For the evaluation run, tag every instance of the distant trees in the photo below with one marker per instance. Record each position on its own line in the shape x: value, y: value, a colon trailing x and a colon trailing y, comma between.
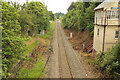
x: 80, y: 16
x: 59, y: 14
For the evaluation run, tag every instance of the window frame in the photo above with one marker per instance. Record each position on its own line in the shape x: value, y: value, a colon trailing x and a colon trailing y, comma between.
x: 116, y: 31
x: 98, y: 32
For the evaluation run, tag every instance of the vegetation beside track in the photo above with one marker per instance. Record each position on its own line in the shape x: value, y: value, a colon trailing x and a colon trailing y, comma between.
x: 37, y: 69
x: 50, y: 30
x: 34, y: 72
x: 80, y: 16
x: 18, y: 23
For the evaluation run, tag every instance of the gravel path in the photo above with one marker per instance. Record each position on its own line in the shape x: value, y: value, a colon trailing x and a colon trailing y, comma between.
x: 63, y: 63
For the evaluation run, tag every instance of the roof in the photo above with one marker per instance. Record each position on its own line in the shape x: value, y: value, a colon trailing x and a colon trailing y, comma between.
x: 104, y: 4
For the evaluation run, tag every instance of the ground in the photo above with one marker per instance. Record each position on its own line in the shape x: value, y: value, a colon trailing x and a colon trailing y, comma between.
x: 79, y: 38
x: 37, y: 54
x: 76, y: 42
x: 68, y: 63
x: 63, y: 59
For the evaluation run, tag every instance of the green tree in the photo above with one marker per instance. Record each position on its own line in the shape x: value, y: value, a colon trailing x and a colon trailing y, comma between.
x: 51, y: 16
x: 59, y: 14
x: 90, y: 18
x: 80, y: 16
x: 34, y: 17
x: 12, y: 43
x: 40, y: 13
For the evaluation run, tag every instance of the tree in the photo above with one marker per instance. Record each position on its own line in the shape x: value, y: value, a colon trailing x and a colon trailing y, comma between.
x: 12, y: 43
x: 34, y: 17
x: 80, y: 16
x: 59, y: 14
x: 51, y: 15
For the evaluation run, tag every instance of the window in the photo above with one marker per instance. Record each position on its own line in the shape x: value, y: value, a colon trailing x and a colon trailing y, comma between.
x: 98, y: 32
x: 115, y: 7
x: 116, y: 34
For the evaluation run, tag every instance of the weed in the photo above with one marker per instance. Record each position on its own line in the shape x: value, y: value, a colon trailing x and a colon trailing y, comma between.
x: 30, y: 47
x: 34, y: 72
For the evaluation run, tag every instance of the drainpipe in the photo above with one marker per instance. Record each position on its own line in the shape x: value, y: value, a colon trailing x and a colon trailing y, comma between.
x: 105, y: 16
x: 119, y: 22
x: 104, y: 30
x: 104, y: 37
x: 119, y: 34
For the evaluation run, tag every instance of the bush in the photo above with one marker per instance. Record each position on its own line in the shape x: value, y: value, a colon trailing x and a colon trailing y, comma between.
x: 109, y: 62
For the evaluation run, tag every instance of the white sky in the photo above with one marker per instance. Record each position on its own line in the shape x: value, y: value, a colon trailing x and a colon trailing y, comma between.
x: 59, y: 5
x: 52, y: 5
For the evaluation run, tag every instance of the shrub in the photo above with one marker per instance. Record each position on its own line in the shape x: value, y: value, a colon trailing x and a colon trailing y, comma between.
x: 109, y: 62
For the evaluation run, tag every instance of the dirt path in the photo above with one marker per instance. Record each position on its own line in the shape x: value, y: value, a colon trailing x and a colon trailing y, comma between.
x: 63, y: 63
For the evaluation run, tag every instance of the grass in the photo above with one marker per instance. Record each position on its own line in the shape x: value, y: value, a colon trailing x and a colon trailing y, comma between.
x: 62, y: 25
x: 30, y: 47
x: 27, y: 38
x: 34, y: 72
x: 50, y: 30
x: 38, y: 69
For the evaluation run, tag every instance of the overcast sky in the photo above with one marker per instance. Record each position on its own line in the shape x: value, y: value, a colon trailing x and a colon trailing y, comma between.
x: 56, y: 5
x: 52, y: 5
x: 59, y: 5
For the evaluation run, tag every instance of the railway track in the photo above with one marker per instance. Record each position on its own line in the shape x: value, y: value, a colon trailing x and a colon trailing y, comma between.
x: 64, y: 65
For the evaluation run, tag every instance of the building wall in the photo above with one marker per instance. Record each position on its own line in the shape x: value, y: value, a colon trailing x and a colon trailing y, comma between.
x: 113, y: 22
x: 98, y: 40
x: 100, y: 14
x: 112, y: 4
x: 112, y: 26
x: 110, y: 39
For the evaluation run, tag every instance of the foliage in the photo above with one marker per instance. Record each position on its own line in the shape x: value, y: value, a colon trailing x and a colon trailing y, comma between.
x: 80, y: 16
x: 59, y: 14
x: 50, y: 30
x: 25, y: 22
x: 51, y: 16
x: 109, y: 62
x: 34, y: 72
x: 34, y: 18
x: 12, y: 42
x: 29, y: 48
x: 17, y: 23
